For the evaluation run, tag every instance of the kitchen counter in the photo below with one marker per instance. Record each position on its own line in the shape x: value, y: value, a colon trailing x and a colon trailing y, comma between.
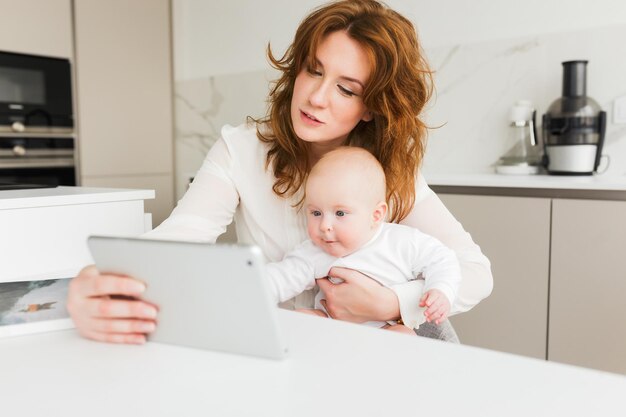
x: 334, y: 368
x: 552, y: 186
x: 63, y: 195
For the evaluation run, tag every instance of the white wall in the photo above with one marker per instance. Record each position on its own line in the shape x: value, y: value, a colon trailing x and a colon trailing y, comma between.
x: 225, y: 36
x: 486, y: 54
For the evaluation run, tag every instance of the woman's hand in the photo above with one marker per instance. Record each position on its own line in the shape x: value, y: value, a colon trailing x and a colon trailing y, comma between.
x: 359, y: 298
x: 106, y: 307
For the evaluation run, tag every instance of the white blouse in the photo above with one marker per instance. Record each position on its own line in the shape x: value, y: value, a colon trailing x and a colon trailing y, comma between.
x: 234, y: 183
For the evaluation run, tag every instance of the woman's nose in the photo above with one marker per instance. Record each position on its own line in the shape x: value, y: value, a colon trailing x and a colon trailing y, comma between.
x: 319, y: 95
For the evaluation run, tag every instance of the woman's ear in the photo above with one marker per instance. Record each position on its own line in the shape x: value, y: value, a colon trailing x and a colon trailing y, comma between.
x: 380, y: 212
x: 367, y: 116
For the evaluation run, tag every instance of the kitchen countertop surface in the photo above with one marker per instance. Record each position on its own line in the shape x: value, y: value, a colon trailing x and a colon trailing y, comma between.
x: 63, y: 195
x: 592, y: 186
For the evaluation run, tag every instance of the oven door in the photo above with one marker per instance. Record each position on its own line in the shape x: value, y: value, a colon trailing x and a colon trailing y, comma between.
x: 35, y: 94
x: 37, y: 161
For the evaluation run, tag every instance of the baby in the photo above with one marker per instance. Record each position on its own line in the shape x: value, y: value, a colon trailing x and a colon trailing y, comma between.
x: 345, y: 210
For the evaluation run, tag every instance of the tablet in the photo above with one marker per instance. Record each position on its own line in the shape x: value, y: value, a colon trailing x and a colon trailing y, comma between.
x: 210, y: 296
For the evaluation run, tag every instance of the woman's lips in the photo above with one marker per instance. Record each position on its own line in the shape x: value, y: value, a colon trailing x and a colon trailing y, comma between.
x: 309, y: 119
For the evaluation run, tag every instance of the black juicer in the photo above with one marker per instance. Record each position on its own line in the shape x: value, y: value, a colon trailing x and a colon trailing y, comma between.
x: 574, y: 126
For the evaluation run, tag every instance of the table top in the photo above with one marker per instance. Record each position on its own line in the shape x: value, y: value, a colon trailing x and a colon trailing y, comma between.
x: 334, y: 368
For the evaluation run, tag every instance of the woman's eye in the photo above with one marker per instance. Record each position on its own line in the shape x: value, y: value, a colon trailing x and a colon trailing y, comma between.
x: 345, y: 91
x: 340, y: 213
x: 314, y: 71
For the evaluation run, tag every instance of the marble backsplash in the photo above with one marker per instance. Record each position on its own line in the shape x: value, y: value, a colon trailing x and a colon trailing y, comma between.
x: 203, y: 106
x: 476, y: 84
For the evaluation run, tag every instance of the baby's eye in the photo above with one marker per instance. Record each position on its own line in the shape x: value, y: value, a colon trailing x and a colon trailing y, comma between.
x: 316, y: 213
x: 345, y: 91
x: 340, y: 213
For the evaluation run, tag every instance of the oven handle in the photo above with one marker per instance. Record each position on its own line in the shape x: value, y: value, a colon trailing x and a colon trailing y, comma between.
x: 23, y: 163
x: 10, y: 131
x: 21, y: 152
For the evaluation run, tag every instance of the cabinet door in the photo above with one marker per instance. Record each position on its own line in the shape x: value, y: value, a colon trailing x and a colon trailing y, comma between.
x: 514, y: 233
x: 588, y: 284
x: 124, y: 85
x: 37, y: 27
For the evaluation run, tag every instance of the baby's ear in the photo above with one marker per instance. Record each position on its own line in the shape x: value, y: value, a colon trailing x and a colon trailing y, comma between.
x: 380, y: 212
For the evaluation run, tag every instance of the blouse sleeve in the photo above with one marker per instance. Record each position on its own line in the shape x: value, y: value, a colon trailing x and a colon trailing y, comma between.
x: 430, y: 216
x: 208, y: 205
x: 294, y: 274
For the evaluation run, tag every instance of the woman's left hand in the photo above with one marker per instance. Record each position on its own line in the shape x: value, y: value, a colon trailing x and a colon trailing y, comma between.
x: 358, y: 298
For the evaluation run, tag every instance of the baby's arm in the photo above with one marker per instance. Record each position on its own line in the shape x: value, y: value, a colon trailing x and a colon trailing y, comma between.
x: 294, y: 274
x: 437, y: 306
x: 442, y: 274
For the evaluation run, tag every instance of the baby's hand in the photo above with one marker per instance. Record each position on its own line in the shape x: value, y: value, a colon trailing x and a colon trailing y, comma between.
x: 437, y: 306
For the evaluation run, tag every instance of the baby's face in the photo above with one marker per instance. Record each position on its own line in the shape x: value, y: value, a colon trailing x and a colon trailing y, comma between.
x: 339, y: 221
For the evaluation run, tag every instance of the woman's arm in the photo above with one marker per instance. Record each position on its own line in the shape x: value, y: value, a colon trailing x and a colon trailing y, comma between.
x: 209, y: 205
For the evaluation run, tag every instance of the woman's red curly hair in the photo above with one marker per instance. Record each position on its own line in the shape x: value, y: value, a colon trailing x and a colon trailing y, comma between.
x: 399, y: 86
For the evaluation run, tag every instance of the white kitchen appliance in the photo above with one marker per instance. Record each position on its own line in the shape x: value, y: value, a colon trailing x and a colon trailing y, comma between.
x: 574, y: 126
x: 525, y: 156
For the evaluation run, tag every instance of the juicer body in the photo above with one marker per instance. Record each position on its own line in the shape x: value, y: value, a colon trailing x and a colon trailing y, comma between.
x: 573, y: 127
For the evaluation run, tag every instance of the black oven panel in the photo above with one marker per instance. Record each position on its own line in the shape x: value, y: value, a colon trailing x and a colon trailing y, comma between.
x: 36, y: 161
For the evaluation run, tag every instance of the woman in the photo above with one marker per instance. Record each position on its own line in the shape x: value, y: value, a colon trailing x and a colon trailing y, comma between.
x: 354, y: 75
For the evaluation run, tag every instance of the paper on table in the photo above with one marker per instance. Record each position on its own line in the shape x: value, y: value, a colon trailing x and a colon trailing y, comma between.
x: 35, y: 304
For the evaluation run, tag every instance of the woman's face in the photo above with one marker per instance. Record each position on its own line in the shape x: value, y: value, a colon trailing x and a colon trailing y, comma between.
x: 327, y: 100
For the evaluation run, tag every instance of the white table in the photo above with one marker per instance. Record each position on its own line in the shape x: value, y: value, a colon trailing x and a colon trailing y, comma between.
x: 334, y: 369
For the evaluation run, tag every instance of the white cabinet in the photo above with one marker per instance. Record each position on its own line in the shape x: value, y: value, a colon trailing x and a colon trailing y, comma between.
x: 124, y: 96
x: 39, y: 27
x: 43, y: 237
x: 588, y: 284
x: 45, y: 230
x: 514, y: 233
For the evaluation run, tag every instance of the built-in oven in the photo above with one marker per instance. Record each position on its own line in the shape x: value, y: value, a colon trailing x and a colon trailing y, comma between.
x: 37, y: 141
x: 30, y: 162
x: 35, y: 94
